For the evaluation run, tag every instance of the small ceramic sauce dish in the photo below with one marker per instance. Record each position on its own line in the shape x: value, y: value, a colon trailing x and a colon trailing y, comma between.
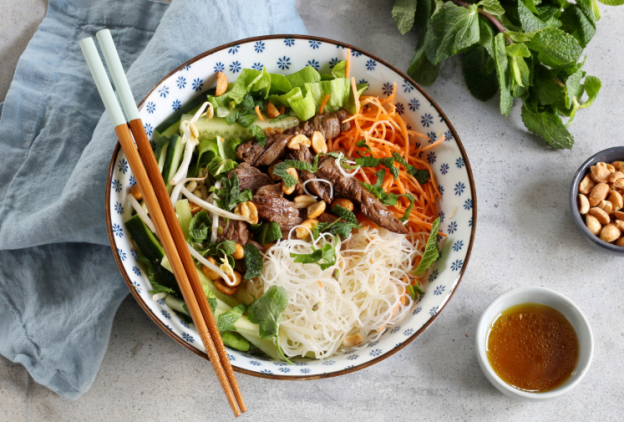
x: 538, y: 358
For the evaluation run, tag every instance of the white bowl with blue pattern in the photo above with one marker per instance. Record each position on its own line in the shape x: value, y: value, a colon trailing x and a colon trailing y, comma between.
x: 286, y: 54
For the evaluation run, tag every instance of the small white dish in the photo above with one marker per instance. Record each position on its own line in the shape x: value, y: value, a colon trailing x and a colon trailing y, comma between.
x: 546, y: 297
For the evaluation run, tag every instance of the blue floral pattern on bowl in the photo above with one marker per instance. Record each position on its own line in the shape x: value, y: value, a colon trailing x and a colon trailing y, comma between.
x: 286, y: 55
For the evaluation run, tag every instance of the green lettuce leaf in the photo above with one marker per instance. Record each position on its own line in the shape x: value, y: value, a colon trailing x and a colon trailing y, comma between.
x: 304, y: 76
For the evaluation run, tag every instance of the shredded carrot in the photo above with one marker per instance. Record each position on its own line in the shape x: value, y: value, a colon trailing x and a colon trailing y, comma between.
x: 320, y: 284
x: 327, y: 97
x: 348, y: 66
x: 377, y: 121
x: 355, y: 95
x: 282, y: 109
x: 258, y: 113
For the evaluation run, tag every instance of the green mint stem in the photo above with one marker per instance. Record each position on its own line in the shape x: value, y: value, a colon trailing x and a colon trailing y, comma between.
x: 497, y: 24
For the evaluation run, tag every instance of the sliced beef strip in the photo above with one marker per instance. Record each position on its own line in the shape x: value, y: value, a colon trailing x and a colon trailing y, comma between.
x: 342, y: 115
x: 250, y: 177
x: 327, y: 217
x: 328, y: 124
x: 279, y: 210
x: 274, y: 190
x: 235, y: 230
x: 345, y: 187
x: 319, y: 189
x: 257, y: 155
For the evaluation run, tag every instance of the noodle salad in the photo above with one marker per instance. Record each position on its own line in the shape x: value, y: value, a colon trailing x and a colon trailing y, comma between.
x: 306, y: 206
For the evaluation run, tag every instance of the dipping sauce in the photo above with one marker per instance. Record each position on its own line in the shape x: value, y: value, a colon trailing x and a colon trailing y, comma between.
x: 533, y: 347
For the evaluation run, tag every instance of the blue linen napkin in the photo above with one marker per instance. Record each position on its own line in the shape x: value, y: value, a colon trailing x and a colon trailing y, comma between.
x: 59, y: 284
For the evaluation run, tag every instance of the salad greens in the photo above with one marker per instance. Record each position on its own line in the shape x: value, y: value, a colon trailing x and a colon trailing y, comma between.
x: 199, y: 229
x: 227, y: 319
x: 230, y: 194
x: 266, y: 311
x: 253, y: 261
x: 325, y: 256
x: 432, y: 253
x: 266, y: 232
x: 526, y: 49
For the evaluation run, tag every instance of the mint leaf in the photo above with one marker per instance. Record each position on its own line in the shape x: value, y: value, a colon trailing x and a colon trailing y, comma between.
x: 545, y: 88
x: 451, y: 29
x: 403, y: 13
x: 266, y: 232
x: 253, y: 261
x: 592, y: 88
x: 502, y: 72
x: 266, y: 311
x: 420, y: 68
x: 547, y: 125
x: 227, y: 319
x: 612, y: 2
x: 556, y: 48
x: 518, y: 50
x: 580, y: 22
x: 486, y: 36
x: 530, y: 22
x: 258, y: 133
x: 345, y: 214
x: 431, y: 253
x: 409, y: 209
x: 574, y: 88
x: 520, y: 72
x: 422, y: 176
x: 492, y: 7
x: 200, y: 226
x: 325, y: 256
x: 219, y: 166
x: 230, y: 194
x: 481, y: 84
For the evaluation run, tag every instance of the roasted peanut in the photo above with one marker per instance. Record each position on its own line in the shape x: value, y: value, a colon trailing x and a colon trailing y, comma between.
x: 268, y: 246
x: 610, y: 233
x: 618, y: 165
x: 618, y: 215
x: 600, y: 174
x: 253, y: 212
x: 271, y: 167
x: 271, y: 110
x: 583, y: 204
x: 353, y: 340
x: 194, y: 208
x: 239, y: 252
x: 587, y: 184
x: 606, y: 206
x: 598, y: 194
x: 602, y: 216
x: 619, y: 224
x: 242, y: 209
x: 592, y: 224
x: 298, y: 140
x: 289, y: 190
x: 615, y: 176
x: 618, y: 184
x: 344, y: 203
x: 316, y: 209
x: 620, y: 242
x: 617, y: 200
x: 225, y: 289
x: 211, y: 274
x: 318, y: 142
x: 303, y: 230
x: 222, y: 84
x: 238, y: 278
x: 134, y: 190
x: 304, y: 201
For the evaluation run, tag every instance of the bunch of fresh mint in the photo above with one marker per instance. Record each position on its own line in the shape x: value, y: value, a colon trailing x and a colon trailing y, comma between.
x: 526, y: 49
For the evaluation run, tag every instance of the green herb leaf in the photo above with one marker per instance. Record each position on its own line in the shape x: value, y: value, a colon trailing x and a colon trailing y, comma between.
x: 548, y: 125
x: 612, y: 2
x: 200, y: 226
x: 409, y: 209
x: 325, y: 256
x: 556, y: 48
x: 257, y: 132
x: 390, y: 200
x: 530, y: 22
x: 502, y: 72
x: 518, y: 50
x: 367, y: 161
x: 151, y: 276
x: 345, y: 214
x: 482, y: 84
x: 592, y: 88
x: 492, y: 7
x: 422, y: 176
x: 227, y: 319
x: 219, y: 166
x: 451, y: 30
x: 253, y: 261
x: 431, y: 253
x: 266, y: 232
x: 266, y: 311
x: 362, y: 144
x: 229, y: 194
x: 415, y: 291
x: 403, y: 13
x: 580, y: 22
x: 420, y: 68
x: 574, y: 88
x: 247, y: 119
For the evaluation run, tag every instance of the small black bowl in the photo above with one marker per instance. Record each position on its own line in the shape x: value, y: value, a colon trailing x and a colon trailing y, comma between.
x: 607, y: 156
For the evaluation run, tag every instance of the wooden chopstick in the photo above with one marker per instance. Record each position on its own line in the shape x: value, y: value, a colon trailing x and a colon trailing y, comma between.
x: 149, y: 159
x: 158, y: 217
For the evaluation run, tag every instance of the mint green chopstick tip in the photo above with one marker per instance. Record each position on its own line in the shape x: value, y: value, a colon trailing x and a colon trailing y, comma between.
x: 102, y: 83
x: 115, y: 68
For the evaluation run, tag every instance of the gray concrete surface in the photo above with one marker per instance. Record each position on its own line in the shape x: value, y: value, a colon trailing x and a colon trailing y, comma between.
x: 525, y: 236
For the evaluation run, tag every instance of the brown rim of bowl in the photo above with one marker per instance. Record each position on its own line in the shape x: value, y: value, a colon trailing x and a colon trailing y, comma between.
x: 298, y: 377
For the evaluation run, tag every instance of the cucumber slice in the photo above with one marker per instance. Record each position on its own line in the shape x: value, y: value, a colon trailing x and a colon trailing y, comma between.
x: 163, y: 157
x: 174, y: 157
x: 183, y: 209
x: 217, y: 126
x: 185, y: 109
x: 150, y: 248
x: 208, y: 285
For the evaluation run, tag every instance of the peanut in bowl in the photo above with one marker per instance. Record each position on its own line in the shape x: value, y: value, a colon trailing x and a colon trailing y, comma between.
x: 596, y: 200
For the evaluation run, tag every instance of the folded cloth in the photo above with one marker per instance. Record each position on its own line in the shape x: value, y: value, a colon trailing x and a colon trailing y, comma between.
x: 59, y: 285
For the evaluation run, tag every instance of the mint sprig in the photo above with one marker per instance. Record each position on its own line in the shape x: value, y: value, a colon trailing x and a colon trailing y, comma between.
x: 523, y: 49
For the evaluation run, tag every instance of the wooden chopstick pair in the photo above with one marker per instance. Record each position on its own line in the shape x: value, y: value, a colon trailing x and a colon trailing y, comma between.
x: 145, y: 169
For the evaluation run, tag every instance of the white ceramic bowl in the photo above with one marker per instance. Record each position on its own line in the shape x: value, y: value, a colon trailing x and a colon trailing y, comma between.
x: 286, y: 54
x: 546, y: 297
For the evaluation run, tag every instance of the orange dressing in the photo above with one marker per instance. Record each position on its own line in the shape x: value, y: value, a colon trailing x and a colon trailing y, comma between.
x: 533, y: 347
